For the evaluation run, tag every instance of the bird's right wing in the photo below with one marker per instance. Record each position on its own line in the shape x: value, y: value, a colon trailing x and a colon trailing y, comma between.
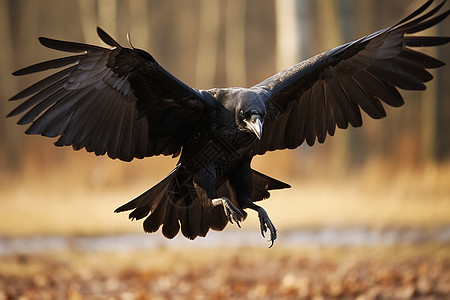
x: 118, y: 101
x: 310, y: 99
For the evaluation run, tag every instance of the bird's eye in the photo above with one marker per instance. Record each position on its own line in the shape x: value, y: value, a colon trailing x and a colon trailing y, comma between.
x: 241, y: 113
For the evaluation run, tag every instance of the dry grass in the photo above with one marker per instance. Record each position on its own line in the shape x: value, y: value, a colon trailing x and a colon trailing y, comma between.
x: 79, y: 195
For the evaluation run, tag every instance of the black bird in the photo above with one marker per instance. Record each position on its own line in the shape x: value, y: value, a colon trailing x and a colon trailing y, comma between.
x: 121, y: 102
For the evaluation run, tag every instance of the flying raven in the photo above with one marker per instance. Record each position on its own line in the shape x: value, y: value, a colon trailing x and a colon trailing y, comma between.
x: 121, y: 102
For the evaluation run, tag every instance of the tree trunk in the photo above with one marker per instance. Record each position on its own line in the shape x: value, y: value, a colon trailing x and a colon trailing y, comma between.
x: 11, y: 135
x: 89, y: 21
x: 107, y: 16
x: 332, y: 36
x: 207, y: 45
x: 139, y: 22
x: 287, y: 34
x: 363, y: 22
x: 235, y: 43
x: 431, y: 113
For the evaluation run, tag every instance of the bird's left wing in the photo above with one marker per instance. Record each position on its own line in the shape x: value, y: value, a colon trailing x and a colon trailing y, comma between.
x: 118, y: 101
x: 308, y: 100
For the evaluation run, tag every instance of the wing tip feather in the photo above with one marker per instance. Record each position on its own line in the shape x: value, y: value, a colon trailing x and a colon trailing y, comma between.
x: 106, y: 38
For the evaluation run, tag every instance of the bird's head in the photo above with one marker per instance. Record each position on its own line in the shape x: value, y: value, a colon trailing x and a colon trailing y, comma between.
x: 250, y: 113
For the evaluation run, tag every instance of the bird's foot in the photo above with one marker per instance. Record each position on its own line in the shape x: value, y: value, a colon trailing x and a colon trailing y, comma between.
x: 266, y: 224
x: 231, y: 211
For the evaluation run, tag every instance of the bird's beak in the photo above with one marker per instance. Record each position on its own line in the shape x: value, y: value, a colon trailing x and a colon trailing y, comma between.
x: 255, y: 125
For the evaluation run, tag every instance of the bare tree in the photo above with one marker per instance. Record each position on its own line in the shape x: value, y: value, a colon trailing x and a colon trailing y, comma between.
x: 235, y: 43
x: 363, y: 24
x: 107, y: 15
x: 12, y: 136
x: 287, y: 34
x: 207, y: 44
x: 431, y: 113
x: 184, y: 40
x: 139, y: 21
x: 88, y: 15
x: 328, y: 17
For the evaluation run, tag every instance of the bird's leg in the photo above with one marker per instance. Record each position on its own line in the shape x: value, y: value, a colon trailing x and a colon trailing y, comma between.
x: 241, y: 181
x: 231, y: 211
x: 206, y: 179
x: 264, y: 221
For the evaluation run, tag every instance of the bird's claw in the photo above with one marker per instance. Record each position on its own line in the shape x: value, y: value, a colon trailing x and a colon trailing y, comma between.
x: 231, y: 212
x: 266, y: 224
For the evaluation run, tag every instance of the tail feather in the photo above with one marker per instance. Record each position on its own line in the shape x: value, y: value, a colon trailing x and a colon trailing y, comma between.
x: 148, y: 198
x: 262, y: 184
x: 194, y: 218
x: 190, y: 220
x: 177, y: 203
x: 152, y: 224
x: 171, y: 226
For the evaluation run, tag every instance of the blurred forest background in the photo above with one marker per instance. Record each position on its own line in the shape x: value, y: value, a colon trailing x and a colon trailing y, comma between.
x: 231, y: 43
x: 207, y: 44
x: 391, y: 173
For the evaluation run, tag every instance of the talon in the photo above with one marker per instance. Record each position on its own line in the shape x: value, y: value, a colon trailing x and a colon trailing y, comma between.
x: 266, y: 224
x: 263, y: 230
x: 231, y: 211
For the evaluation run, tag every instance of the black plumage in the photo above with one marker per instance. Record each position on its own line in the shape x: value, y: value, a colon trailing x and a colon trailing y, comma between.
x: 120, y: 102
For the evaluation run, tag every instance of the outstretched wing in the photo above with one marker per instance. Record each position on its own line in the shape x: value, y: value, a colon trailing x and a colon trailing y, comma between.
x: 118, y: 101
x: 309, y: 99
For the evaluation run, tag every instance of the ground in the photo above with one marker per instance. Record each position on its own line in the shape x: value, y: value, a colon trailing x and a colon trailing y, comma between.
x: 395, y: 272
x: 77, y: 198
